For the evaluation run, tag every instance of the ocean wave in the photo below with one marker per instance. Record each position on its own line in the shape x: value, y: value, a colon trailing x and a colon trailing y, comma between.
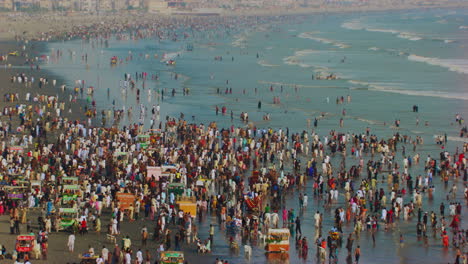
x: 459, y: 139
x: 371, y: 122
x: 463, y: 27
x: 170, y: 56
x: 296, y: 58
x: 374, y: 48
x: 356, y: 24
x: 292, y: 60
x: 409, y: 36
x: 390, y: 88
x: 266, y: 64
x: 456, y: 65
x: 310, y: 35
x: 302, y: 85
x: 240, y: 41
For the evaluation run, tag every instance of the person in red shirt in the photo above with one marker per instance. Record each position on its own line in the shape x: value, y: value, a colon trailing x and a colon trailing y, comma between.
x: 84, y: 227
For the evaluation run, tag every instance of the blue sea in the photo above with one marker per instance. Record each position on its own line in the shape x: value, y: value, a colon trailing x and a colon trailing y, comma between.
x: 385, y: 61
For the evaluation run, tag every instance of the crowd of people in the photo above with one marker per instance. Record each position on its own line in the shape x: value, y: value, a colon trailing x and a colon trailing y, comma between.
x: 79, y: 177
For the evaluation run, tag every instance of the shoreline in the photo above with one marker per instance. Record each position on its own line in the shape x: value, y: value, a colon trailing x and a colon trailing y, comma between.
x: 19, y: 65
x: 30, y: 25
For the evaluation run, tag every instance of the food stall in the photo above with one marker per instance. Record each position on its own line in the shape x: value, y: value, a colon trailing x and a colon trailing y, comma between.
x: 70, y: 192
x: 25, y: 243
x: 177, y: 188
x: 67, y: 217
x: 125, y: 200
x: 188, y: 206
x: 278, y: 240
x: 144, y: 140
x: 171, y: 257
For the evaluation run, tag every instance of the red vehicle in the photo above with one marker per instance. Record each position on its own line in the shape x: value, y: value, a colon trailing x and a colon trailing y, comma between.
x: 25, y: 243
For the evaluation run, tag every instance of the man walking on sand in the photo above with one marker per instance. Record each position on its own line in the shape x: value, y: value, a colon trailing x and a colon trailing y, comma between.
x: 71, y: 242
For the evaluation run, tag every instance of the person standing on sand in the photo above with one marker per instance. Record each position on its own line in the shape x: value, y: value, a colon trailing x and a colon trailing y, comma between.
x: 144, y: 236
x: 349, y: 244
x: 71, y: 242
x: 357, y: 254
x: 116, y: 255
x: 105, y: 254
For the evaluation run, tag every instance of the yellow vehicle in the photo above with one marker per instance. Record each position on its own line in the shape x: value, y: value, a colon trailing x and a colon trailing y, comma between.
x: 171, y: 257
x: 188, y: 206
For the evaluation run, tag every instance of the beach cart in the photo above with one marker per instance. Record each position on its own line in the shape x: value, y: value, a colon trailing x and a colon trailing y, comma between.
x: 114, y: 60
x: 188, y: 206
x: 176, y: 188
x: 336, y: 237
x: 278, y: 240
x: 86, y: 258
x: 25, y: 243
x: 67, y: 217
x: 144, y: 141
x: 70, y: 180
x: 171, y: 257
x: 70, y: 192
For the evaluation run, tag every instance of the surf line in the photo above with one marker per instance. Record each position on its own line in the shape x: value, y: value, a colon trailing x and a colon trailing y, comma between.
x: 303, y: 85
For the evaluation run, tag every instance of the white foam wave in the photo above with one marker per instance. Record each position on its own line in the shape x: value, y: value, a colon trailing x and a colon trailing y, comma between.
x: 374, y: 48
x: 459, y: 139
x: 356, y: 24
x: 170, y: 56
x: 371, y: 122
x: 266, y: 64
x: 240, y: 41
x: 409, y: 36
x: 309, y: 35
x: 463, y: 27
x: 456, y: 65
x: 389, y: 88
x: 296, y: 58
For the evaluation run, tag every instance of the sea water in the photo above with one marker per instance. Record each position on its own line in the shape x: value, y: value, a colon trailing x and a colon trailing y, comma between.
x: 386, y: 62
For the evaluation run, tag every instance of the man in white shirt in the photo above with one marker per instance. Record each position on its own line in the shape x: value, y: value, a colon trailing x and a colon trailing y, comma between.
x: 105, y: 253
x: 100, y: 260
x: 128, y: 257
x: 139, y: 256
x: 71, y: 242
